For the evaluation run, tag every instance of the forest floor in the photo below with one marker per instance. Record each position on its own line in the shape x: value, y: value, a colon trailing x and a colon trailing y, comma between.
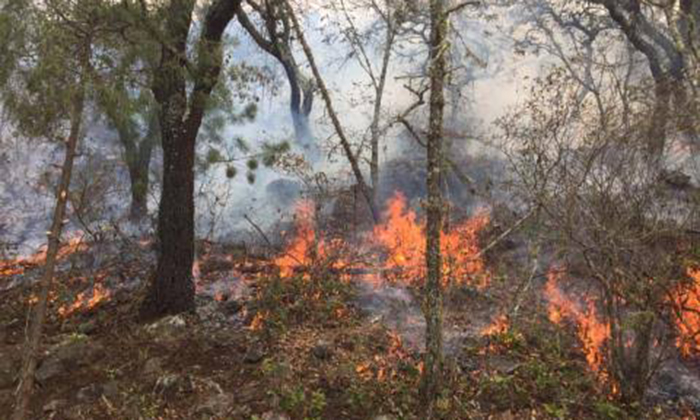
x: 309, y: 347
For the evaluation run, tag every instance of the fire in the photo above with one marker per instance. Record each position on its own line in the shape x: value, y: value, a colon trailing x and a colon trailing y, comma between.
x: 403, y: 237
x: 499, y: 326
x: 686, y: 299
x: 306, y: 247
x: 298, y: 251
x: 82, y: 302
x: 19, y: 265
x: 592, y: 332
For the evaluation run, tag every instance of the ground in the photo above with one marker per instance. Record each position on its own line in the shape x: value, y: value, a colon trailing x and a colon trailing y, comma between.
x: 312, y: 346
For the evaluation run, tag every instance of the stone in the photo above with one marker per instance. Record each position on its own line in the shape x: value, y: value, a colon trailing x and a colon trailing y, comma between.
x: 172, y: 384
x: 254, y: 354
x: 218, y: 405
x: 110, y: 389
x: 274, y: 415
x: 54, y: 405
x: 322, y: 350
x: 384, y: 417
x: 153, y: 366
x: 67, y: 356
x: 8, y: 371
x: 89, y: 393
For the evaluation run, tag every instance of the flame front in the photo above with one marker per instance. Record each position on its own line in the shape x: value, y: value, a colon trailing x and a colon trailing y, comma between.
x: 82, y: 302
x: 592, y: 333
x: 686, y: 300
x: 403, y: 238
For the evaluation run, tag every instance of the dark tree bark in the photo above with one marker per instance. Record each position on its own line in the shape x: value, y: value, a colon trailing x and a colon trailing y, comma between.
x: 667, y: 66
x: 277, y: 42
x: 432, y: 305
x: 171, y: 289
x: 38, y: 316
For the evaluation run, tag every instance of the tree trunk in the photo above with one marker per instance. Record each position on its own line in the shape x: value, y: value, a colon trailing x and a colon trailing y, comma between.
x: 139, y: 171
x: 29, y: 362
x: 171, y: 289
x: 375, y: 132
x: 432, y: 305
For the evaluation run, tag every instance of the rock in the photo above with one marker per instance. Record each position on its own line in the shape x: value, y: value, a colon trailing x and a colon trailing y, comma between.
x: 254, y: 354
x: 273, y: 415
x: 322, y: 350
x: 89, y: 393
x: 110, y: 389
x: 8, y: 371
x: 168, y: 328
x: 173, y: 384
x: 153, y: 366
x: 67, y: 356
x: 384, y: 417
x: 218, y: 405
x: 54, y: 405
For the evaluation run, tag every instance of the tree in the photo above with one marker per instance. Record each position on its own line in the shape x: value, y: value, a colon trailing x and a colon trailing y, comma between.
x: 43, y: 96
x: 432, y: 305
x: 276, y: 39
x: 180, y: 114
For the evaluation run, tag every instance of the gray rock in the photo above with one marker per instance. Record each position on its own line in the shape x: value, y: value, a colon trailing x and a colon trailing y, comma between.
x: 254, y: 354
x: 110, y: 389
x: 384, y: 417
x: 8, y: 371
x: 172, y: 384
x: 274, y: 415
x: 167, y: 328
x: 89, y: 393
x: 153, y: 366
x: 54, y: 405
x: 67, y: 356
x: 322, y: 350
x: 218, y: 405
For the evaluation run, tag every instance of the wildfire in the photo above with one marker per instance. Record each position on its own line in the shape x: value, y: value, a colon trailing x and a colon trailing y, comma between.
x: 499, y: 326
x: 687, y: 301
x: 82, y: 302
x: 306, y: 246
x: 403, y: 237
x: 19, y: 265
x: 592, y: 333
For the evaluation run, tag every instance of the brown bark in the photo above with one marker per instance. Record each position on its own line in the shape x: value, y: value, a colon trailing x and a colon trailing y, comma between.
x: 171, y: 289
x: 432, y: 306
x: 29, y: 363
x: 344, y: 142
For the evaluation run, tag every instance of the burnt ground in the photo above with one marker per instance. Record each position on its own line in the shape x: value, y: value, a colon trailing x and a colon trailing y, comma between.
x: 263, y: 348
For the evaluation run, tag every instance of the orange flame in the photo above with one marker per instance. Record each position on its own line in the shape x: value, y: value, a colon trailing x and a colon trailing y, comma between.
x: 404, y: 239
x: 592, y: 333
x: 82, y: 302
x: 19, y: 265
x: 686, y: 300
x: 499, y: 326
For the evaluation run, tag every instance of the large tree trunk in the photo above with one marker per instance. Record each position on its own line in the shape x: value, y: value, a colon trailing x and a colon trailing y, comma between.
x: 432, y: 304
x: 171, y: 289
x: 29, y: 363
